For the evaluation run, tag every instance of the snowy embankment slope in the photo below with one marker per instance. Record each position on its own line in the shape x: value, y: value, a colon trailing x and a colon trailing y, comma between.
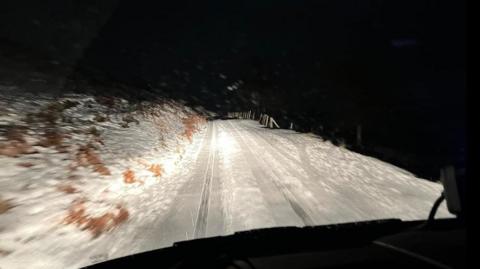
x: 78, y: 173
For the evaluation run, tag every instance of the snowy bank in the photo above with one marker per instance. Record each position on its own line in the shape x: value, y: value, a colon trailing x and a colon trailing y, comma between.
x: 78, y: 171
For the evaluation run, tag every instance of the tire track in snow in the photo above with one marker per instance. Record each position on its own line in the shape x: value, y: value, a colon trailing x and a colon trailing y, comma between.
x: 287, y: 193
x: 202, y: 215
x: 362, y: 196
x: 304, y: 161
x: 315, y: 176
x: 281, y: 211
x: 314, y: 180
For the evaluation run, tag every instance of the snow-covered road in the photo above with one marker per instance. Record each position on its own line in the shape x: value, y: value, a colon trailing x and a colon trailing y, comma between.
x: 247, y: 176
x: 237, y: 175
x: 243, y: 176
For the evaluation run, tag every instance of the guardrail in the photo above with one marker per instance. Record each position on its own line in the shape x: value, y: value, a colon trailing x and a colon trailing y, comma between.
x: 263, y: 119
x: 268, y: 121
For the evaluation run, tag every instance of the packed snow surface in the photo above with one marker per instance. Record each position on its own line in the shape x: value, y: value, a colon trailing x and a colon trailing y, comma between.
x: 102, y: 180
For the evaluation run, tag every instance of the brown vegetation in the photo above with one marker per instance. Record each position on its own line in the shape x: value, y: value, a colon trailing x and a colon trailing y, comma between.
x: 86, y: 156
x: 78, y: 216
x: 53, y: 138
x: 16, y: 144
x: 52, y: 112
x: 191, y: 125
x: 67, y: 188
x: 16, y: 134
x: 15, y: 149
x: 129, y: 177
x: 156, y: 169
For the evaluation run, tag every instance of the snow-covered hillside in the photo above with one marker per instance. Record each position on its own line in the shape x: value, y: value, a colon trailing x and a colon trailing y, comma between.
x: 74, y: 169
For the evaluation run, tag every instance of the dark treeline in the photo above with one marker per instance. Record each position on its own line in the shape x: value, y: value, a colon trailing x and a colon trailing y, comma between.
x: 395, y: 68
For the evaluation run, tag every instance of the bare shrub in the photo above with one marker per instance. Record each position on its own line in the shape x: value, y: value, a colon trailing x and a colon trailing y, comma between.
x: 156, y: 169
x: 78, y: 216
x: 86, y: 156
x: 129, y: 177
x: 16, y: 143
x: 191, y: 124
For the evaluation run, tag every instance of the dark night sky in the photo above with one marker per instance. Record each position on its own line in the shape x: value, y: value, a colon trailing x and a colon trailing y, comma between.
x: 357, y: 43
x: 395, y: 67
